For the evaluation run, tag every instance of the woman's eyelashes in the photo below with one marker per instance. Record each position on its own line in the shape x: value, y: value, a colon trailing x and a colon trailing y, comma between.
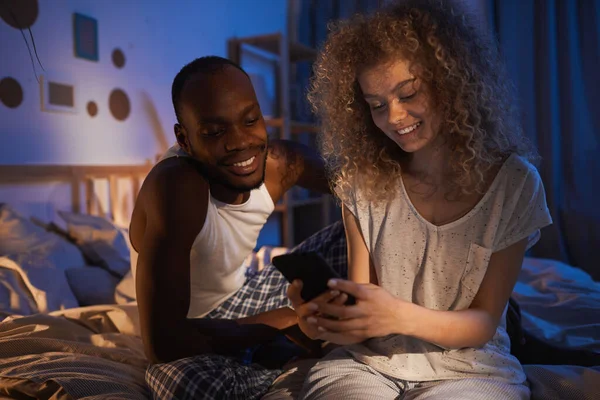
x: 407, y: 98
x: 401, y: 98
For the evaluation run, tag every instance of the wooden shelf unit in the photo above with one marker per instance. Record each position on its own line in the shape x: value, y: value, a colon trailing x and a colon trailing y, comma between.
x: 285, y: 53
x: 295, y: 126
x: 272, y: 43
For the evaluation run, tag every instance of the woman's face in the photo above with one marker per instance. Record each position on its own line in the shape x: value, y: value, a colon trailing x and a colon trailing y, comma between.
x: 399, y: 105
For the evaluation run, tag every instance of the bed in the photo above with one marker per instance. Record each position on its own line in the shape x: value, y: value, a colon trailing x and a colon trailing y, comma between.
x: 70, y: 326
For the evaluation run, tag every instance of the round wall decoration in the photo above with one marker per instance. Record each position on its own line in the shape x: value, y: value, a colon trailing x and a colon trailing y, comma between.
x: 20, y: 14
x: 118, y: 58
x: 119, y: 105
x: 11, y: 93
x: 92, y: 108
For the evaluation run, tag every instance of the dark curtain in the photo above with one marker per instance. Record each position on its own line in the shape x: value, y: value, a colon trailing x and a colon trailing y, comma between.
x: 312, y: 31
x: 552, y: 51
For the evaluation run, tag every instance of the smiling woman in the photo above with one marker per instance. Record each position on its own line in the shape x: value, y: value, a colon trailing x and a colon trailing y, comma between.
x: 400, y: 105
x: 440, y: 203
x: 377, y: 79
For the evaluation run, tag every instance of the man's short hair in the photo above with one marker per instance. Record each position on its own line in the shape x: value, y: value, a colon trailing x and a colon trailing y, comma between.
x: 203, y: 65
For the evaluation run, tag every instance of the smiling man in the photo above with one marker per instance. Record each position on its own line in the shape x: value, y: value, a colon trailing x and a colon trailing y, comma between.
x: 199, y: 214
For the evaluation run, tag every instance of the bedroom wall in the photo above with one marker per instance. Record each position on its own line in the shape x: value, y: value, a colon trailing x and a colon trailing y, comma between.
x: 157, y: 38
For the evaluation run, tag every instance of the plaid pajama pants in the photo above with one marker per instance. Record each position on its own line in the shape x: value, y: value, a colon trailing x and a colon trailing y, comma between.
x: 220, y: 377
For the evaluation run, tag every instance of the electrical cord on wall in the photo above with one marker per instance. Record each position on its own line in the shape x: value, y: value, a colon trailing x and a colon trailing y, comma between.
x: 5, y: 3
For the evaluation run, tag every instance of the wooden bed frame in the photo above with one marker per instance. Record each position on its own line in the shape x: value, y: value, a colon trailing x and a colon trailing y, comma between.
x: 78, y: 176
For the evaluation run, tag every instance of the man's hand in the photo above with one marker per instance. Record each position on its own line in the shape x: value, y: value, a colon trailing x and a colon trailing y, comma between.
x: 280, y: 318
x: 312, y: 347
x: 290, y: 163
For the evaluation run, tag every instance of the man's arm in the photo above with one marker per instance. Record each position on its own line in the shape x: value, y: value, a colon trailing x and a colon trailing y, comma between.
x: 290, y: 163
x: 175, y: 213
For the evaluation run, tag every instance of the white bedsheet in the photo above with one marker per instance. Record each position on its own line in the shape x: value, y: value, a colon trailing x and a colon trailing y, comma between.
x: 563, y: 382
x: 559, y: 303
x: 88, y: 353
x: 94, y: 352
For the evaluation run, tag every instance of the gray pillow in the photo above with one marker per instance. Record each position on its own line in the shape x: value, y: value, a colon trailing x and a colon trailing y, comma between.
x: 103, y: 243
x: 92, y: 285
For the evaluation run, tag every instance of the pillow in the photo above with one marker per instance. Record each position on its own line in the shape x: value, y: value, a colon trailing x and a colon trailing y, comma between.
x: 103, y: 243
x: 47, y: 286
x: 15, y: 295
x: 92, y: 285
x: 20, y: 235
x: 36, y: 260
x: 125, y: 290
x: 17, y: 234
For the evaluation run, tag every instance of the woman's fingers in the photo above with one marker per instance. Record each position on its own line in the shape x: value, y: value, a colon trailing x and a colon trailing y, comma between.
x: 307, y: 309
x: 358, y: 290
x: 339, y: 300
x: 338, y: 326
x: 341, y: 311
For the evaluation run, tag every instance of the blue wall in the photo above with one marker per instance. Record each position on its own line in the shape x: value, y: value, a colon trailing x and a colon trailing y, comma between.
x: 157, y: 37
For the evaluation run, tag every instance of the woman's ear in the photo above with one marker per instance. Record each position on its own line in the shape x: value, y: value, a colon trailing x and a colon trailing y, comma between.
x: 182, y: 138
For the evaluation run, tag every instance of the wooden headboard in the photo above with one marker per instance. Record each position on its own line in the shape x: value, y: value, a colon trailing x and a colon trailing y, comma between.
x: 78, y: 176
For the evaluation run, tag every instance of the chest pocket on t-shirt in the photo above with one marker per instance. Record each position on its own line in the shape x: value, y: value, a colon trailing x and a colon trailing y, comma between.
x: 477, y: 263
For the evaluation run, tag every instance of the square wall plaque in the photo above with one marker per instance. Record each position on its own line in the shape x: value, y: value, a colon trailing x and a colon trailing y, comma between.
x: 85, y: 37
x: 58, y: 92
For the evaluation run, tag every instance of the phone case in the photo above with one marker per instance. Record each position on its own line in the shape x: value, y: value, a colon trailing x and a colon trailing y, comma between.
x: 311, y: 269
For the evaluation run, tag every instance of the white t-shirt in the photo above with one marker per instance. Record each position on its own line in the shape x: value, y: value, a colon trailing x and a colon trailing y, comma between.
x: 442, y: 267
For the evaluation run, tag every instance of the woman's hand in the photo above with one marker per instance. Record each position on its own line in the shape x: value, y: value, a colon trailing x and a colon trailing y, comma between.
x: 376, y: 314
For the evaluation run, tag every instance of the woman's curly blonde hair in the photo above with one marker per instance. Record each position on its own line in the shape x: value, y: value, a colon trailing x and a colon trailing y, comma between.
x: 466, y: 84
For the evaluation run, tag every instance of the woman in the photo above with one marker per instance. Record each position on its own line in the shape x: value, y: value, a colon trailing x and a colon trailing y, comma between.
x: 440, y: 204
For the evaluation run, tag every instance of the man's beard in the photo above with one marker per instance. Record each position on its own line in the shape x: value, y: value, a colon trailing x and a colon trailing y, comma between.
x: 221, y: 178
x: 247, y: 188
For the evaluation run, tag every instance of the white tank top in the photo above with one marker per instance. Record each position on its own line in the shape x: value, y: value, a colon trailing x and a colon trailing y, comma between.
x: 228, y: 236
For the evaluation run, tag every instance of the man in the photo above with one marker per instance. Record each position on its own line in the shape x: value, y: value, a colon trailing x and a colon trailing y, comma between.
x: 200, y: 211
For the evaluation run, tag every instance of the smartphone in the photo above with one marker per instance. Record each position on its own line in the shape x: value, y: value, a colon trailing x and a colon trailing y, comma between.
x: 311, y: 269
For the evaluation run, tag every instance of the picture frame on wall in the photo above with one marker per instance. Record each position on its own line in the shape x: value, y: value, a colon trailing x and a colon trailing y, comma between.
x: 85, y: 37
x: 58, y: 93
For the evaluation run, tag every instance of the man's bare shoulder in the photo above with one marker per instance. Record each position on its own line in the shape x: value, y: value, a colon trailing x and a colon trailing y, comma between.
x: 175, y: 177
x: 173, y: 191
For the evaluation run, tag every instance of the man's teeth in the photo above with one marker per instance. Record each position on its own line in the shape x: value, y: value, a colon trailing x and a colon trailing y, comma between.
x: 408, y: 129
x: 245, y: 163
